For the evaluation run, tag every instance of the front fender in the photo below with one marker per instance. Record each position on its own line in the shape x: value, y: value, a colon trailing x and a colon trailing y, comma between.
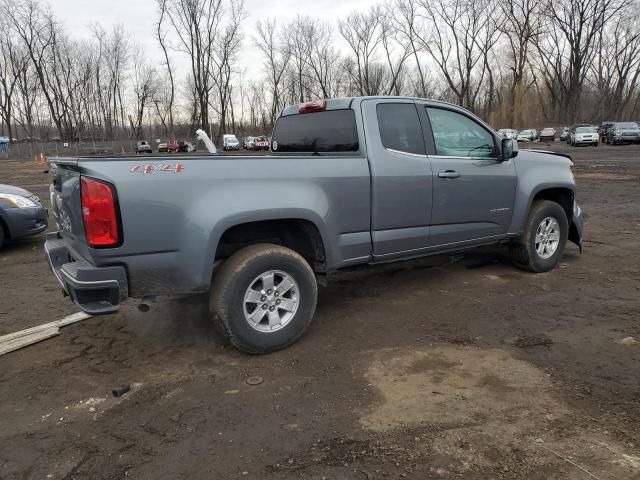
x: 538, y: 171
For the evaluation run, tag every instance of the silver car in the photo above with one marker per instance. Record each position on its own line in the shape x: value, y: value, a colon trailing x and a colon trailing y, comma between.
x: 509, y: 133
x: 584, y: 136
x: 230, y: 142
x: 21, y: 214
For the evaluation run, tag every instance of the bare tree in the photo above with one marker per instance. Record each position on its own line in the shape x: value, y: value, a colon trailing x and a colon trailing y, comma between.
x: 12, y: 66
x: 361, y: 30
x: 567, y: 49
x: 167, y: 120
x: 271, y: 42
x: 458, y: 34
x: 196, y: 24
x: 225, y: 56
x: 403, y: 14
x: 36, y: 29
x: 143, y: 89
x: 395, y: 53
x: 615, y: 71
x: 521, y: 28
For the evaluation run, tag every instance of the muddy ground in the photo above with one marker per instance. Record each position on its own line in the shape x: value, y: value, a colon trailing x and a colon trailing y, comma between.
x: 459, y: 367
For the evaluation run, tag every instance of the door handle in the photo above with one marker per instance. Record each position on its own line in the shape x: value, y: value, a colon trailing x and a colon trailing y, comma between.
x: 449, y: 174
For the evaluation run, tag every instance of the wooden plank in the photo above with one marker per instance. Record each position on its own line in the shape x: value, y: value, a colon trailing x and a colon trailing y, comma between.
x: 76, y: 317
x: 73, y: 318
x: 26, y: 340
x: 11, y: 338
x: 25, y: 333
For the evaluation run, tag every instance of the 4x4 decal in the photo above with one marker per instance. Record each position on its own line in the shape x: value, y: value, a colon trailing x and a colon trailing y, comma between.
x: 158, y: 167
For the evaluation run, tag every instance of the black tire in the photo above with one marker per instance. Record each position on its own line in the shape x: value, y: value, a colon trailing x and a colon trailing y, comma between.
x: 524, y: 253
x: 1, y: 234
x: 595, y: 144
x: 237, y: 274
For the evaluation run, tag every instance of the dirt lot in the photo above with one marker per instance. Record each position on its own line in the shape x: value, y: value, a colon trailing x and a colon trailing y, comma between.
x: 458, y: 368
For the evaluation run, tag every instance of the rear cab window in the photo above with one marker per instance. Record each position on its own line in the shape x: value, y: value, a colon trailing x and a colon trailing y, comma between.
x: 327, y: 132
x: 400, y: 128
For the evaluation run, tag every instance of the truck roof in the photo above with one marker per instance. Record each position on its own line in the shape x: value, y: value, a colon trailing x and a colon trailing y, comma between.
x: 348, y: 102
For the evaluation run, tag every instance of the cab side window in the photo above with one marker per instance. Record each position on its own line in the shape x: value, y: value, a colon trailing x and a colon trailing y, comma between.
x: 456, y: 135
x: 400, y: 127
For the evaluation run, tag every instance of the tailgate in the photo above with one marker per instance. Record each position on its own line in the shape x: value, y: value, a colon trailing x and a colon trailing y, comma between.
x: 66, y: 204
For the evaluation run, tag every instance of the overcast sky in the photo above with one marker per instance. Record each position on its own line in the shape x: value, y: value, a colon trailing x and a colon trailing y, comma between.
x: 139, y: 17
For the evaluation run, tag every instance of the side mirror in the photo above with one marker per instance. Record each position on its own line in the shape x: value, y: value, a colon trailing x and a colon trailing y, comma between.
x: 509, y: 148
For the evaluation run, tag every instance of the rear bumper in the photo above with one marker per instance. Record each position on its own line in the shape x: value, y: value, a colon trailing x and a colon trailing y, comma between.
x: 96, y: 290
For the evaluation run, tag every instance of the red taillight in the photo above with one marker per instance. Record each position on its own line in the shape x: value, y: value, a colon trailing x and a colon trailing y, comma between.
x: 315, y: 106
x: 99, y: 213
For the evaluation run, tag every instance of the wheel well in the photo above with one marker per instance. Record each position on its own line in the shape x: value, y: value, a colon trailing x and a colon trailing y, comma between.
x: 562, y: 196
x: 299, y: 235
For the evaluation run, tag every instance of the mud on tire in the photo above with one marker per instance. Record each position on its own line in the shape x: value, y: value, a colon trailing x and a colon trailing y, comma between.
x: 524, y: 252
x: 241, y: 278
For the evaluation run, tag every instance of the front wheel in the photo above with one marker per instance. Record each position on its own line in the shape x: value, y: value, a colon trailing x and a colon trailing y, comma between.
x: 263, y: 298
x: 545, y: 236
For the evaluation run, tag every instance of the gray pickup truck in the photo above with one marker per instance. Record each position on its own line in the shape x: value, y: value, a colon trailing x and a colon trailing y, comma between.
x: 349, y: 181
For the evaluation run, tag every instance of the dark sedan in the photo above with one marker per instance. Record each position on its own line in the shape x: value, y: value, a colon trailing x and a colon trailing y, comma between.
x: 21, y: 214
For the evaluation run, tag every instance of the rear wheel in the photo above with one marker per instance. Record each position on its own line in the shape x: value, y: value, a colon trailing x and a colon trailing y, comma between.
x: 1, y: 235
x: 542, y: 244
x: 263, y: 298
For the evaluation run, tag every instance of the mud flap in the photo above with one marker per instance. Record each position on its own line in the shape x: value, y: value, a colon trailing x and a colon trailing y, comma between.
x: 575, y: 235
x: 576, y: 228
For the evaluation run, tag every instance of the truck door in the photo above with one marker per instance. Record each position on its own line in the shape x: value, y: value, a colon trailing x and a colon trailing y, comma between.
x: 401, y: 178
x: 473, y: 190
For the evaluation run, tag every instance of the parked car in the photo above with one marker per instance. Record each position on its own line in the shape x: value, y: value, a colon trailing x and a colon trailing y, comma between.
x: 230, y: 142
x: 21, y: 214
x: 162, y: 147
x: 185, y: 147
x: 564, y: 136
x: 585, y: 135
x: 173, y: 146
x: 508, y: 133
x: 526, y: 136
x: 573, y: 127
x: 623, y: 132
x: 548, y: 134
x: 351, y: 164
x: 143, y: 147
x: 260, y: 143
x: 247, y: 143
x: 603, y: 129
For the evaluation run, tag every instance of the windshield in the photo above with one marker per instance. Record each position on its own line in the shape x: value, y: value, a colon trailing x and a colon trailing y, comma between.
x: 586, y: 130
x: 630, y: 125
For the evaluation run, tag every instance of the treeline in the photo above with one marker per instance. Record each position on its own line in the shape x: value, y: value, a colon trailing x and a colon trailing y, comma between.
x: 517, y: 63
